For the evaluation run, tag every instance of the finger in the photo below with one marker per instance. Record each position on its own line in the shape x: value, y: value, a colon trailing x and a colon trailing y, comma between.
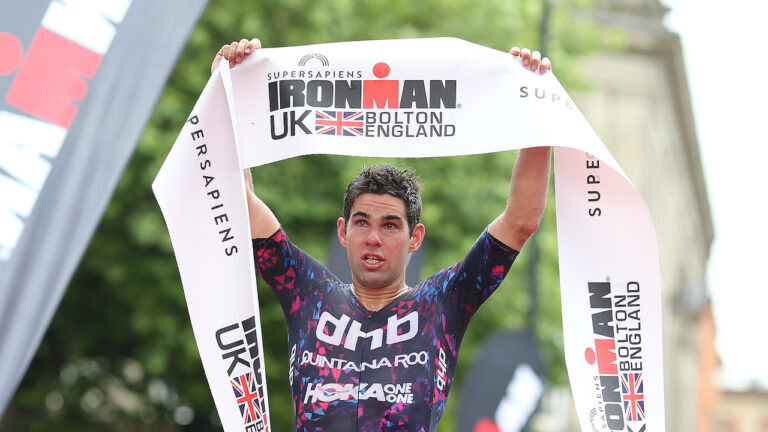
x: 222, y: 54
x: 232, y: 54
x: 525, y: 54
x: 546, y: 65
x: 216, y: 61
x: 225, y: 52
x: 240, y: 53
x: 253, y: 45
x: 515, y: 51
x: 535, y: 60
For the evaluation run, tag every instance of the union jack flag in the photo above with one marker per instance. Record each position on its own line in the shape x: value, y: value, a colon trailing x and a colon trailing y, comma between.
x: 346, y: 123
x: 247, y: 397
x: 632, y: 393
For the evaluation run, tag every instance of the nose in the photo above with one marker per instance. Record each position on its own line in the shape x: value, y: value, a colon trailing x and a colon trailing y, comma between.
x: 373, y: 238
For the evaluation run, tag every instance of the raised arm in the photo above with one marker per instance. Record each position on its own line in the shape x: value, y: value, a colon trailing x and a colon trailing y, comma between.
x: 263, y: 221
x: 527, y: 198
x: 530, y: 180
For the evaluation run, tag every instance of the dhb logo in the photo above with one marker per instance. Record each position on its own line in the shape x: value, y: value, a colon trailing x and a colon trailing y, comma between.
x: 342, y: 326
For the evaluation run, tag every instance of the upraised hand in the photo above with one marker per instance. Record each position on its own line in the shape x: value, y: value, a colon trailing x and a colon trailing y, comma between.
x: 235, y: 52
x: 533, y: 60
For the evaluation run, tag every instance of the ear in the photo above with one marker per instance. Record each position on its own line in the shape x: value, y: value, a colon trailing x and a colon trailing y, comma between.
x: 341, y: 231
x: 417, y: 237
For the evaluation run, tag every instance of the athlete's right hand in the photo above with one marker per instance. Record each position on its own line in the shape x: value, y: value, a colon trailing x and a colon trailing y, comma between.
x: 235, y: 52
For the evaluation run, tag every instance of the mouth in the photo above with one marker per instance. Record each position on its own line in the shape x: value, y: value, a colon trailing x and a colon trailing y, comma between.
x: 373, y: 261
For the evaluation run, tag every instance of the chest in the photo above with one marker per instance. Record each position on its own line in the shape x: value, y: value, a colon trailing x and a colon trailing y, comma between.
x: 352, y: 352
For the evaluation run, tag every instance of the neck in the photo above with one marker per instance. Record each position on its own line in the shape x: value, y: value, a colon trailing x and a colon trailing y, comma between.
x: 376, y: 298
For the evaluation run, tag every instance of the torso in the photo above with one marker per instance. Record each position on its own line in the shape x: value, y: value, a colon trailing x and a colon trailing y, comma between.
x: 356, y: 370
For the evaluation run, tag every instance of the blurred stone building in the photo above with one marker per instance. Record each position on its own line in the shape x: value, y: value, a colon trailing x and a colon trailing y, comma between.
x: 638, y: 102
x: 742, y: 411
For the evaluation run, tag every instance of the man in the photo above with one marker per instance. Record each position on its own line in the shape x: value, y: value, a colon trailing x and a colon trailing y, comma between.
x: 378, y: 355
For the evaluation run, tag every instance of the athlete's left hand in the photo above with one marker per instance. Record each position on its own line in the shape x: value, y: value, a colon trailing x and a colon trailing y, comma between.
x: 532, y: 60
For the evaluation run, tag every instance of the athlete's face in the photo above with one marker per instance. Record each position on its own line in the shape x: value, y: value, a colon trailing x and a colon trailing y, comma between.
x: 377, y: 241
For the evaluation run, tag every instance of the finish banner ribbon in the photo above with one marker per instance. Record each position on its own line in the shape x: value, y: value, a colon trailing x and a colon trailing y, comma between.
x: 412, y: 98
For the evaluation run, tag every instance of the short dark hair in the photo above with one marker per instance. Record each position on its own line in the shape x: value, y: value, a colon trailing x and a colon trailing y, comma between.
x: 387, y: 179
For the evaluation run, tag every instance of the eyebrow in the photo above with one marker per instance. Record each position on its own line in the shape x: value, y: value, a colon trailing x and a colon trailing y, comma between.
x: 392, y: 217
x: 367, y: 216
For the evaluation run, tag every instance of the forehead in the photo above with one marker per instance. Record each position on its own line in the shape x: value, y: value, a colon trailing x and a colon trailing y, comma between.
x: 379, y: 205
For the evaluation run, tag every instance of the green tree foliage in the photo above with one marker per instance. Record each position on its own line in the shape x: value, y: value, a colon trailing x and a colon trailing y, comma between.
x: 120, y: 354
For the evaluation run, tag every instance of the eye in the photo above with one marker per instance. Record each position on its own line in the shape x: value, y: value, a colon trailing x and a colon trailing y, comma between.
x: 361, y: 223
x: 389, y: 226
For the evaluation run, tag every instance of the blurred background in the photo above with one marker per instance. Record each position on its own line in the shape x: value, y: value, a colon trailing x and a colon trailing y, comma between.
x: 119, y: 354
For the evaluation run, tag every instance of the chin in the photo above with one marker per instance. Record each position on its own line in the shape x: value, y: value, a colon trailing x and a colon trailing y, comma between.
x: 372, y: 282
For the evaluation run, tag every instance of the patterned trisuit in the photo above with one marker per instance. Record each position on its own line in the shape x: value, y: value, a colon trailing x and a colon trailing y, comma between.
x: 389, y: 370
